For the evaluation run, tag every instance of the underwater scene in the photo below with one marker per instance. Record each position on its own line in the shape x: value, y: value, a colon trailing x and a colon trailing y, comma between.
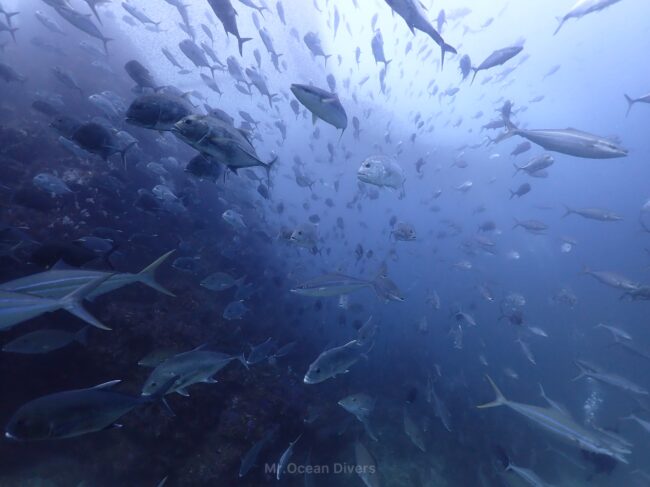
x: 324, y: 243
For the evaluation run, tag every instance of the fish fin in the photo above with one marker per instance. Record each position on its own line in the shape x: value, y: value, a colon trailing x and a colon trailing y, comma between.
x: 517, y: 169
x: 326, y: 57
x: 512, y: 194
x: 210, y: 380
x: 445, y: 48
x: 267, y: 168
x: 72, y: 302
x: 13, y: 33
x: 630, y: 102
x: 106, y: 40
x: 567, y: 211
x: 242, y: 358
x: 183, y: 392
x: 123, y: 152
x: 474, y: 76
x: 500, y: 399
x: 107, y: 385
x: 240, y: 42
x: 147, y: 275
x: 313, y: 118
x: 561, y: 20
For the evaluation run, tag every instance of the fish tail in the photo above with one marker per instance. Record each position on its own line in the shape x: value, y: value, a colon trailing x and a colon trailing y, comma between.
x: 106, y: 40
x: 13, y: 33
x: 268, y: 167
x: 517, y: 169
x: 567, y: 211
x: 583, y: 371
x: 240, y: 43
x: 8, y: 16
x: 444, y: 47
x: 326, y: 57
x: 147, y: 275
x: 72, y: 302
x: 630, y: 102
x: 369, y: 430
x: 561, y: 20
x: 512, y: 194
x: 585, y: 270
x: 474, y: 76
x: 516, y: 224
x: 500, y: 399
x: 242, y: 358
x: 123, y: 152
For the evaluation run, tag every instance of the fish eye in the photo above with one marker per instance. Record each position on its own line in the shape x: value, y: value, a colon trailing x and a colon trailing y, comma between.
x: 367, y: 164
x: 317, y: 371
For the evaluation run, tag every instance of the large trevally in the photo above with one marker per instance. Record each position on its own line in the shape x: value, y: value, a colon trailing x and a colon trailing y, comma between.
x: 382, y: 171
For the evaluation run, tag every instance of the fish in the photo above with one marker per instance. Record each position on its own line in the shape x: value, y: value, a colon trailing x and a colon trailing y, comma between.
x: 335, y: 361
x: 313, y: 43
x: 360, y: 405
x: 195, y: 54
x: 219, y: 140
x: 632, y: 101
x: 413, y: 430
x: 45, y: 341
x: 227, y: 15
x: 567, y: 141
x: 521, y: 148
x: 57, y: 283
x: 535, y: 165
x: 322, y: 104
x: 497, y: 58
x: 186, y: 369
x: 261, y: 352
x: 249, y: 459
x: 139, y: 14
x: 593, y: 214
x: 51, y: 184
x: 439, y: 407
x: 220, y: 281
x: 520, y: 191
x: 235, y: 310
x: 413, y: 14
x: 562, y: 426
x: 582, y: 8
x: 158, y: 111
x: 612, y: 279
x: 614, y: 380
x: 281, y: 466
x: 9, y: 74
x: 366, y: 465
x: 83, y: 23
x: 336, y: 284
x: 73, y: 413
x: 17, y: 307
x: 382, y: 171
x: 377, y: 45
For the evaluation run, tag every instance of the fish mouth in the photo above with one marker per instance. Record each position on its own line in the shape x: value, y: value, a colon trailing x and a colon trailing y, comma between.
x: 10, y: 436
